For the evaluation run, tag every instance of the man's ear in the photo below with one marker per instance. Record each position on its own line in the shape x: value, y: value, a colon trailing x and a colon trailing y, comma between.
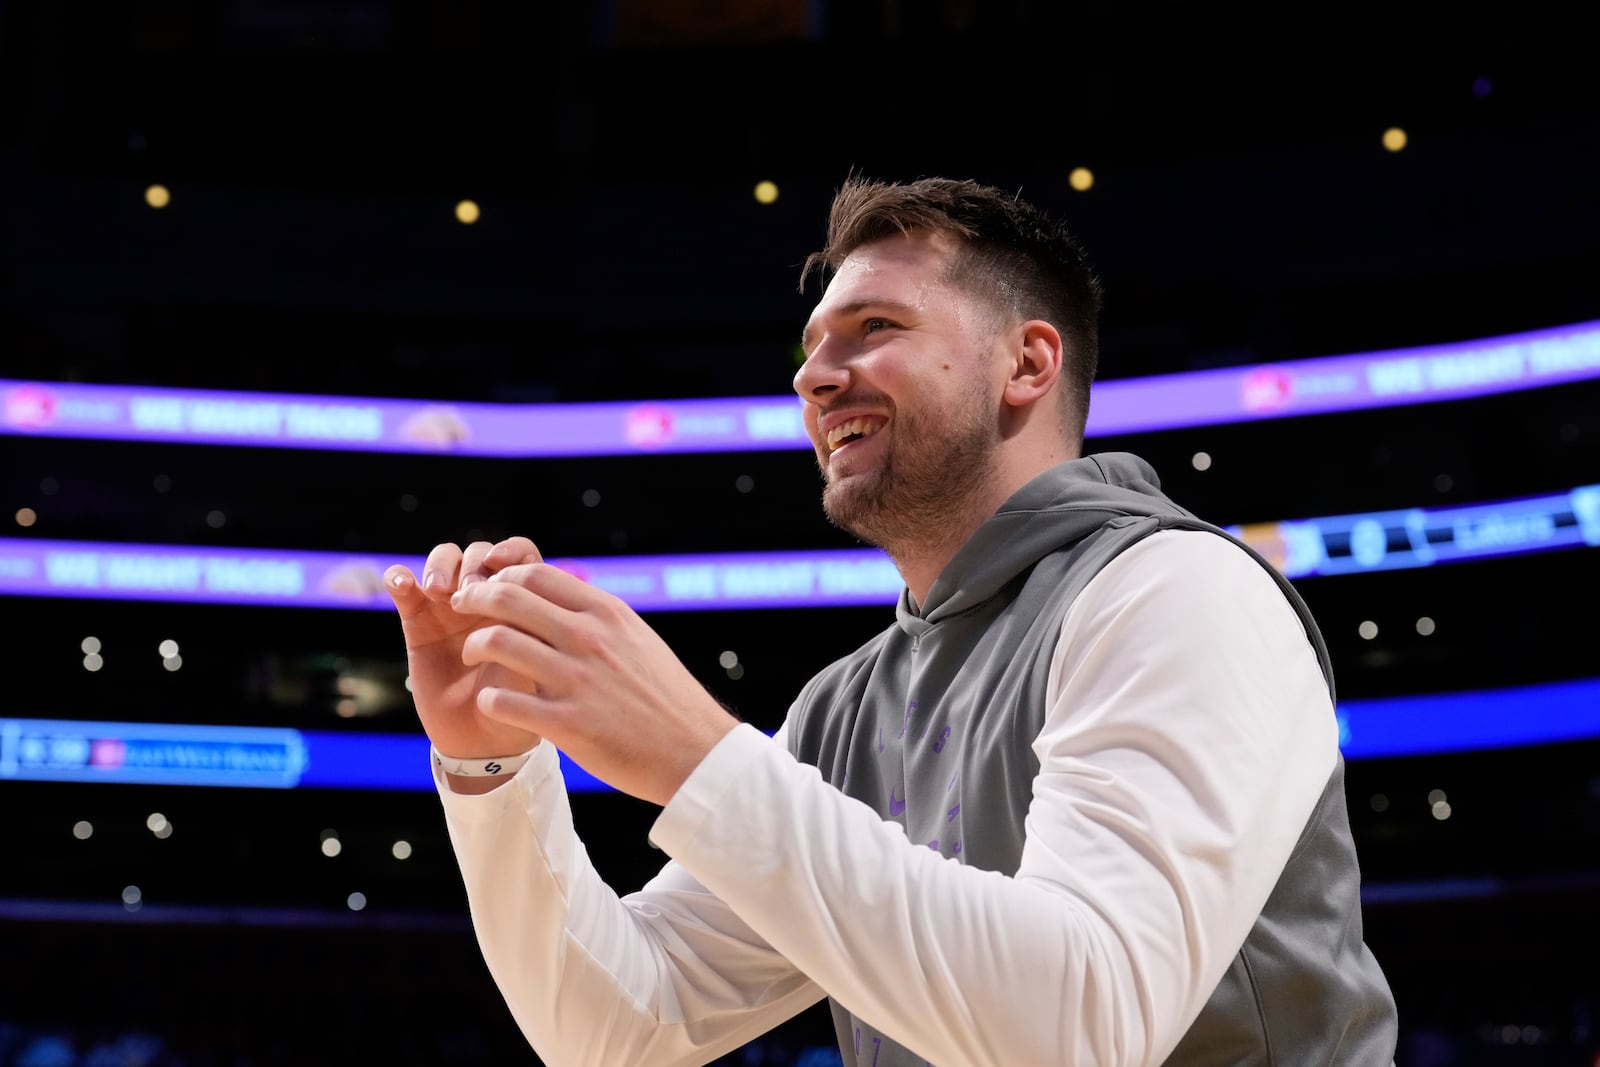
x: 1036, y: 356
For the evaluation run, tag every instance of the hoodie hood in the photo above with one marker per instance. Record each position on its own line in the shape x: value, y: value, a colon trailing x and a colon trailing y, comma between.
x: 1056, y: 509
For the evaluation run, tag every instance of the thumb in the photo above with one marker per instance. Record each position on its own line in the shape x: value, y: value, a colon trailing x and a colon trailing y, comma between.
x: 404, y: 589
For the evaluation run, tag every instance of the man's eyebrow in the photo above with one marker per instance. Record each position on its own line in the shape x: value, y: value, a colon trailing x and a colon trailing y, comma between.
x: 855, y: 307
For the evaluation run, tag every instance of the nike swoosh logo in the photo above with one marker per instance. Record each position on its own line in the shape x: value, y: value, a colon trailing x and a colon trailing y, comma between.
x: 895, y: 806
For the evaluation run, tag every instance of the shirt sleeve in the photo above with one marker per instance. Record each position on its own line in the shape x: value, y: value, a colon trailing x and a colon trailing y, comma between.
x: 664, y: 976
x: 1188, y: 737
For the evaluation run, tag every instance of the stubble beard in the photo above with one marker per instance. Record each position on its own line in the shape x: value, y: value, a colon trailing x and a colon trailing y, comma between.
x: 925, y: 490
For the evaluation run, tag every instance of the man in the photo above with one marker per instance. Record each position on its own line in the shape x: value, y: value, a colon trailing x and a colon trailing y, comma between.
x: 1081, y: 802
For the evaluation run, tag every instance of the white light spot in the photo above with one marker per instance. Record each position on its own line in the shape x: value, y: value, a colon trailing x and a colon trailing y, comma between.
x: 1368, y: 630
x: 155, y: 821
x: 736, y: 671
x: 1425, y: 626
x: 93, y: 662
x: 401, y: 850
x: 331, y: 846
x: 90, y: 645
x: 744, y: 483
x: 1201, y: 461
x: 167, y: 648
x: 591, y: 498
x: 728, y: 659
x: 83, y: 829
x: 356, y: 901
x: 132, y: 897
x: 1437, y: 796
x: 172, y: 663
x: 216, y: 519
x: 1441, y: 811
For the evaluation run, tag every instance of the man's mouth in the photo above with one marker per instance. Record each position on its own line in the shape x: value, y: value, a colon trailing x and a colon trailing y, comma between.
x: 853, y: 430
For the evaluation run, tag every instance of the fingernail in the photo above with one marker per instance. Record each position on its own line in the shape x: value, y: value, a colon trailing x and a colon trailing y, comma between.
x: 430, y: 578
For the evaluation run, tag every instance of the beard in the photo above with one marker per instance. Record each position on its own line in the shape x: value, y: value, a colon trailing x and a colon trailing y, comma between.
x: 933, y: 473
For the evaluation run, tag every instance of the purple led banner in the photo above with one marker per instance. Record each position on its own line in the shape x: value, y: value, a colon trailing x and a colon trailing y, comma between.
x: 1340, y: 544
x: 104, y: 570
x: 1426, y: 374
x: 193, y: 416
x: 748, y: 424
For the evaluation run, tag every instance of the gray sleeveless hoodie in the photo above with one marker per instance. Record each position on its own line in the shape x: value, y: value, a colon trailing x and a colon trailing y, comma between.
x: 933, y: 720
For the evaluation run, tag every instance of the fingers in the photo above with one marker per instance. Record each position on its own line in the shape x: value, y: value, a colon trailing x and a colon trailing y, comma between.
x: 559, y: 587
x: 526, y: 711
x: 511, y: 551
x: 439, y: 571
x: 520, y: 656
x: 472, y: 568
x: 404, y: 590
x: 484, y: 559
x: 449, y: 567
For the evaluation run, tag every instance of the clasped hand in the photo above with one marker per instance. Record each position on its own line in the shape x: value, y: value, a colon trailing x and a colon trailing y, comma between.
x: 505, y: 649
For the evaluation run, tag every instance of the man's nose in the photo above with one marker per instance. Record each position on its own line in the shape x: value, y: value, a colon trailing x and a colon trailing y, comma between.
x: 822, y: 373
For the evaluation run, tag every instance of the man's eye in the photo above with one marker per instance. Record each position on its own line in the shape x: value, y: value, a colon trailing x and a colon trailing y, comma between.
x: 873, y: 325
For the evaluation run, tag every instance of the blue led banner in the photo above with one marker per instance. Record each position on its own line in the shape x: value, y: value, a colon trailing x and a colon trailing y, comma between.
x: 1368, y: 380
x: 1300, y: 548
x: 58, y: 750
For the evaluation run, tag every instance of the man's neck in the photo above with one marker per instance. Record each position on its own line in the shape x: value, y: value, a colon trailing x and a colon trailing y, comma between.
x: 920, y: 567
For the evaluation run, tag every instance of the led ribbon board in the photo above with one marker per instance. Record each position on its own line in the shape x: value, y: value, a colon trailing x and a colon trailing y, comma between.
x: 1368, y: 380
x: 56, y: 750
x: 1300, y: 548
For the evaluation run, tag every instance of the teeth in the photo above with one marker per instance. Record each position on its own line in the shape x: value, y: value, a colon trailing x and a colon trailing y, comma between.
x: 864, y: 425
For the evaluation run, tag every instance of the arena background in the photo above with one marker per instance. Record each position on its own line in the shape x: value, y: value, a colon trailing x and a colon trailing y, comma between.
x: 291, y: 289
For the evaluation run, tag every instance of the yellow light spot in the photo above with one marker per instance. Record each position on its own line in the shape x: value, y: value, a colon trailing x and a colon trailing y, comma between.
x: 467, y: 212
x: 26, y: 517
x: 158, y: 196
x: 766, y: 192
x: 1394, y: 138
x: 1081, y: 179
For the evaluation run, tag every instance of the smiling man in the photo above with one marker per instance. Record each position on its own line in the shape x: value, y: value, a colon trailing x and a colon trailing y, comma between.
x: 1080, y: 802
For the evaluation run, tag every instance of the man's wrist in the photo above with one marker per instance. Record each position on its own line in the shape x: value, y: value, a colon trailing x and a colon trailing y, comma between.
x: 481, y: 766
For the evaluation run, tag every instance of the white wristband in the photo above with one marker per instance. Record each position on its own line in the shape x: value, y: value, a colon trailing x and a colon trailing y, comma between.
x: 483, y: 766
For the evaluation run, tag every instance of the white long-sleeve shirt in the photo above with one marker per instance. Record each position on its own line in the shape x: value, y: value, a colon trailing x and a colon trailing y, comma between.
x: 1182, y: 682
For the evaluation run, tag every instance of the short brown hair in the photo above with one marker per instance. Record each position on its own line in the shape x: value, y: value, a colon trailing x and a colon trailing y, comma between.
x: 1012, y: 254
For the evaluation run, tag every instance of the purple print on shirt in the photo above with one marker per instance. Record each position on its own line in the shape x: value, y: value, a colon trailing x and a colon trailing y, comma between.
x: 896, y: 807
